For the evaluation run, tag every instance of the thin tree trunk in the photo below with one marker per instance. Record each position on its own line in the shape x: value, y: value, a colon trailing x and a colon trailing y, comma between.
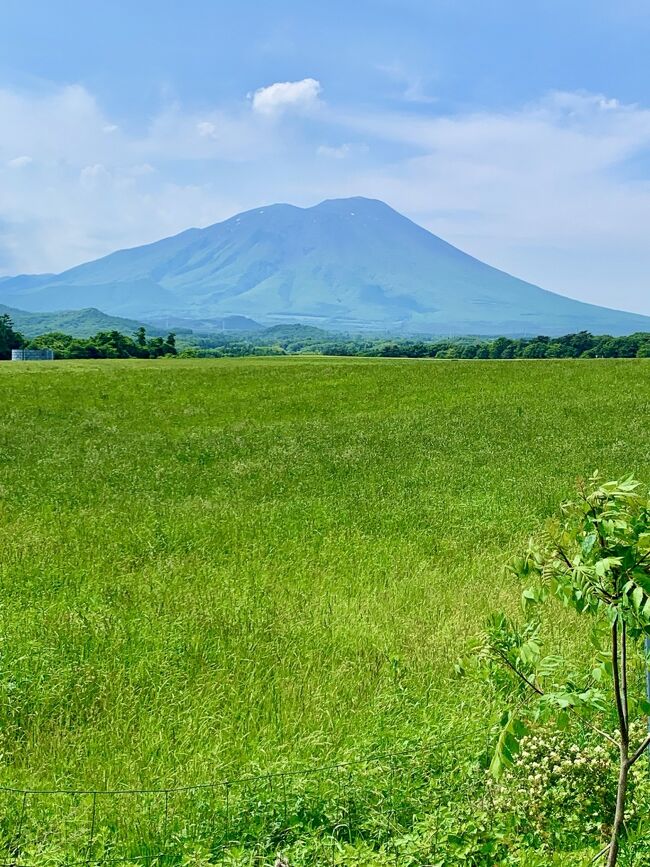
x: 620, y: 808
x: 620, y: 690
x: 626, y: 709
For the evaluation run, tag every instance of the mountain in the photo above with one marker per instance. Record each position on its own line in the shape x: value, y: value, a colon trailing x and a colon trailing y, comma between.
x: 205, y: 325
x: 89, y: 320
x: 79, y: 323
x: 294, y: 331
x: 345, y: 264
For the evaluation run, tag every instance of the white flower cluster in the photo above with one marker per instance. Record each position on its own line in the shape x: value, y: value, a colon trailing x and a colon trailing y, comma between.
x: 557, y: 789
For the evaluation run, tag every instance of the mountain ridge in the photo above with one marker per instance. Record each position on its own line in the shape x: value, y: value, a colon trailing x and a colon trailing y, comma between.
x: 87, y: 321
x: 79, y: 323
x: 345, y: 264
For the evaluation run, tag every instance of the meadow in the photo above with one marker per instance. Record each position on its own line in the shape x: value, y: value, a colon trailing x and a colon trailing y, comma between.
x: 215, y: 567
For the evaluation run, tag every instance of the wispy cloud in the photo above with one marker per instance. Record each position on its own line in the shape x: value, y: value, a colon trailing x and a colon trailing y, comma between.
x: 206, y: 129
x: 544, y: 191
x: 536, y: 191
x: 19, y: 162
x: 410, y: 86
x: 342, y: 151
x: 74, y: 185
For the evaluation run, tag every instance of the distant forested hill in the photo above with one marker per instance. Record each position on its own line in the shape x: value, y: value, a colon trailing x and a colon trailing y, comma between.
x: 78, y: 323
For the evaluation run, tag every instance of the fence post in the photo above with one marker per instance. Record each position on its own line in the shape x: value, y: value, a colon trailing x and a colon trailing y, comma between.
x: 91, y: 839
x: 22, y: 818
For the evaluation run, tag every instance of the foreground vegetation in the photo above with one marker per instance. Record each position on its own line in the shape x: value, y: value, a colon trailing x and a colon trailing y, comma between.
x: 595, y: 560
x: 218, y: 568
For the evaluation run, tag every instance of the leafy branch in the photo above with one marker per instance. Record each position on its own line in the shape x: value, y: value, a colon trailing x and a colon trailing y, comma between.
x: 594, y: 559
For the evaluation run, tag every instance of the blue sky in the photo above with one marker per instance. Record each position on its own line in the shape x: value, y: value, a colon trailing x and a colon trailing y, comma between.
x: 518, y: 131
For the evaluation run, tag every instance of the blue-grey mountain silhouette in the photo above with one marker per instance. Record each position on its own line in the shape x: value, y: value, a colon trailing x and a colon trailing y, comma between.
x: 345, y: 264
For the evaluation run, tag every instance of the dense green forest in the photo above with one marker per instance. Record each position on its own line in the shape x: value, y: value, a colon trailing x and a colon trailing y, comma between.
x: 307, y: 340
x: 298, y: 339
x: 104, y: 344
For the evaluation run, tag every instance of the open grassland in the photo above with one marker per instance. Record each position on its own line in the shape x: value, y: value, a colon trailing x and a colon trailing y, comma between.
x: 214, y: 566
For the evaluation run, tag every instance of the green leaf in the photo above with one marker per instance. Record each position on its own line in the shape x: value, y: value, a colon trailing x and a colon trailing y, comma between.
x: 529, y: 597
x: 563, y: 720
x: 606, y: 565
x: 529, y: 651
x: 548, y: 665
x: 507, y: 746
x: 588, y: 543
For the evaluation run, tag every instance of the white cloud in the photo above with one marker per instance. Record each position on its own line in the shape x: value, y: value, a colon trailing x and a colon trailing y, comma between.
x: 238, y: 135
x: 206, y: 129
x: 63, y: 121
x: 91, y: 176
x: 341, y: 152
x: 88, y: 192
x: 337, y: 153
x: 412, y: 87
x: 543, y: 192
x: 557, y: 191
x: 19, y: 162
x: 298, y: 95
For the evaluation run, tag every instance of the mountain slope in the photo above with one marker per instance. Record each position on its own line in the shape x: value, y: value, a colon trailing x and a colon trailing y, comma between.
x: 346, y: 263
x: 78, y: 323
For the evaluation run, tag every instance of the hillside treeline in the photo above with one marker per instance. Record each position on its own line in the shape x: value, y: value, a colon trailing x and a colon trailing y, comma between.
x: 290, y: 341
x: 104, y: 344
x: 306, y: 340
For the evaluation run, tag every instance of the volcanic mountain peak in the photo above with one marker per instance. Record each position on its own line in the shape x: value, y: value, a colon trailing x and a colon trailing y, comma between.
x: 347, y: 264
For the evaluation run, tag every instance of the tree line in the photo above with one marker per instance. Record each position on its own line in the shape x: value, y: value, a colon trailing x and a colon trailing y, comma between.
x: 104, y: 344
x: 580, y: 345
x: 115, y: 344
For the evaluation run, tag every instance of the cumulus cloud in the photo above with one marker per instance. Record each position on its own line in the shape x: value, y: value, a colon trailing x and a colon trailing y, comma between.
x: 283, y: 95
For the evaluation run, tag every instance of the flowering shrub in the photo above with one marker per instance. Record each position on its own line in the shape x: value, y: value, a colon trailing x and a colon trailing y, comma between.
x: 560, y: 791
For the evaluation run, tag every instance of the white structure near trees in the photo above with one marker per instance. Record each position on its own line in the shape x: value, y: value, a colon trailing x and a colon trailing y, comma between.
x: 32, y: 354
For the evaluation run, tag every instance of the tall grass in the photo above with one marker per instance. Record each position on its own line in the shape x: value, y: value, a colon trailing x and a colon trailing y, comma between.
x: 213, y: 567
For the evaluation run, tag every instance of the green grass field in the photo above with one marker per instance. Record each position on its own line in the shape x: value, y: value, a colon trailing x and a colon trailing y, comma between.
x: 216, y: 566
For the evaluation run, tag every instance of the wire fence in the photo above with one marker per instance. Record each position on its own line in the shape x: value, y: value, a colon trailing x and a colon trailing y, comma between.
x: 372, y: 801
